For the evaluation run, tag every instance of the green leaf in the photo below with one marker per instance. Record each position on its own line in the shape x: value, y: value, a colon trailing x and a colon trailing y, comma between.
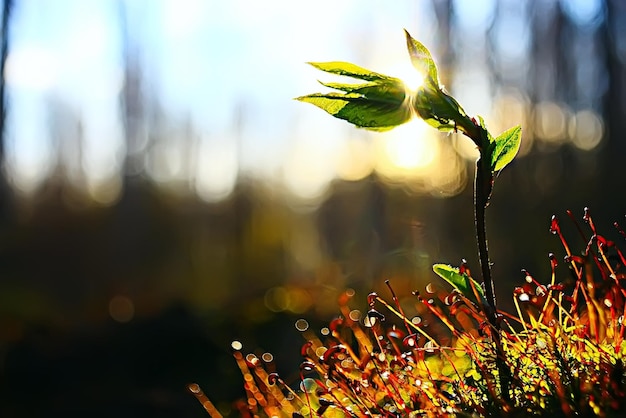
x: 362, y: 111
x: 391, y: 91
x: 422, y: 59
x: 506, y: 147
x: 349, y: 70
x: 460, y: 281
x: 438, y: 109
x: 379, y: 104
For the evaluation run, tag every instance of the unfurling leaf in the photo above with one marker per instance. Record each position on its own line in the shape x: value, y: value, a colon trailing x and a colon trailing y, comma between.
x: 438, y: 109
x: 380, y: 104
x: 349, y: 70
x: 506, y: 146
x: 431, y: 103
x: 422, y: 60
x: 360, y: 111
x: 385, y: 91
x: 467, y: 286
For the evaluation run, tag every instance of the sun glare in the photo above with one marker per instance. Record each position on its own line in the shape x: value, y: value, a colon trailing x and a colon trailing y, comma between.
x: 409, y: 151
x: 410, y: 148
x: 411, y: 78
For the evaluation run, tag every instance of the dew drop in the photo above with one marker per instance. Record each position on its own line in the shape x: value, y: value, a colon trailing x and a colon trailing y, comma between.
x: 347, y: 363
x: 554, y: 225
x: 430, y: 288
x: 429, y: 347
x: 333, y: 351
x: 252, y: 360
x: 553, y: 261
x: 374, y: 314
x: 541, y: 290
x: 319, y: 351
x: 410, y: 341
x: 325, y: 331
x: 308, y: 385
x: 524, y: 297
x: 302, y: 325
x: 194, y: 388
x: 371, y: 298
x: 558, y: 287
x: 236, y: 345
x: 608, y: 303
x: 307, y: 366
x: 355, y: 315
x: 463, y: 268
x: 267, y: 357
x: 273, y: 378
x: 416, y: 320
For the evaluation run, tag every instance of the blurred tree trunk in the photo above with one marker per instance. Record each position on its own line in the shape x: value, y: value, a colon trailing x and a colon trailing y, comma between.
x: 132, y: 104
x: 443, y: 11
x: 5, y: 193
x: 614, y: 111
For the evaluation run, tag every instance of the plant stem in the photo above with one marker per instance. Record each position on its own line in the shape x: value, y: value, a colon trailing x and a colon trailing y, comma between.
x: 482, y: 191
x: 482, y: 186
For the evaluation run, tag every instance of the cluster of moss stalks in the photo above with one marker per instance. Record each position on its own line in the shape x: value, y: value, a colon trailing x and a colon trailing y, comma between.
x: 562, y: 348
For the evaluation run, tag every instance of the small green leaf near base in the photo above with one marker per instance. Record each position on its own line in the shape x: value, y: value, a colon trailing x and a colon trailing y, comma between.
x: 506, y: 147
x: 467, y: 286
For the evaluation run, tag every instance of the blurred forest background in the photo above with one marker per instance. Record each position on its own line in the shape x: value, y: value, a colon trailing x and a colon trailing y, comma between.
x: 162, y: 195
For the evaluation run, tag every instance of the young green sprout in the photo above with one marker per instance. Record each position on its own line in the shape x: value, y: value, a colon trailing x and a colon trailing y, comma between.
x: 381, y: 103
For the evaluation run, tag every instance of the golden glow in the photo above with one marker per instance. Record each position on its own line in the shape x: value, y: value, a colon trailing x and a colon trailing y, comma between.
x: 512, y: 108
x: 449, y: 177
x: 407, y: 149
x: 308, y: 170
x: 465, y: 147
x: 409, y: 153
x: 292, y: 299
x: 104, y: 191
x: 550, y: 122
x: 586, y: 129
x: 355, y: 159
x: 415, y: 156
